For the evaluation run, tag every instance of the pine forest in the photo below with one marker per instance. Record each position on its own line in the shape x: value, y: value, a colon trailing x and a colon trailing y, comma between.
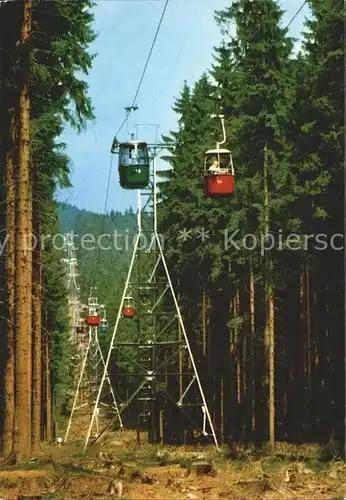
x: 209, y: 362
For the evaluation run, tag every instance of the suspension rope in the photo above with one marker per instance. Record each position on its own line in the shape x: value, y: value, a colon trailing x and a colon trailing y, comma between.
x: 133, y: 106
x: 295, y: 15
x: 150, y: 52
x: 125, y: 120
x: 107, y: 190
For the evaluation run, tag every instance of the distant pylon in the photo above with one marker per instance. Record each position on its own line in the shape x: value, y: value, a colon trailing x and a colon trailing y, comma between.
x: 73, y: 291
x: 91, y: 368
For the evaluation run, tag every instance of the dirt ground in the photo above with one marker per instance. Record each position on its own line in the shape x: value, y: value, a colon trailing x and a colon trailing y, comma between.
x: 120, y: 468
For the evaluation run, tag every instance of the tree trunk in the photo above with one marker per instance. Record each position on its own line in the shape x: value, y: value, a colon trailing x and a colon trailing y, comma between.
x: 9, y: 367
x: 299, y: 366
x: 243, y: 367
x: 48, y: 395
x: 222, y: 411
x: 180, y: 357
x: 237, y: 345
x: 315, y: 368
x: 266, y: 287
x: 204, y: 322
x: 308, y: 338
x: 37, y: 347
x: 235, y: 367
x: 269, y: 316
x: 252, y: 344
x: 271, y: 364
x: 22, y: 429
x: 43, y: 376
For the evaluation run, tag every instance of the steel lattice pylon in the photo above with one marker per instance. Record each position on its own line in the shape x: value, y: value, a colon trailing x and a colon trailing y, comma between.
x: 73, y: 291
x: 90, y: 366
x: 158, y: 359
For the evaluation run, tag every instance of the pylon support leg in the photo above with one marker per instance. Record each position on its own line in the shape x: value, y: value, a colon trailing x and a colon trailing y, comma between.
x: 188, y: 344
x: 112, y: 339
x: 110, y: 388
x: 77, y: 391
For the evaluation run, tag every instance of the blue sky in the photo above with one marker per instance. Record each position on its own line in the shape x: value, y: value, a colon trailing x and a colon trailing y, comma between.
x: 182, y: 52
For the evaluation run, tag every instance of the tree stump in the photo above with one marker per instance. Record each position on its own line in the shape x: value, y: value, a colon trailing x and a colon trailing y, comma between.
x: 203, y: 468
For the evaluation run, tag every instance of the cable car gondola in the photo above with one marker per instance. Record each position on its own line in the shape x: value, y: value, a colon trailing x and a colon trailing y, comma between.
x: 219, y: 177
x: 93, y: 320
x: 218, y: 173
x: 103, y: 326
x: 83, y: 313
x: 134, y: 166
x: 80, y: 325
x: 128, y: 310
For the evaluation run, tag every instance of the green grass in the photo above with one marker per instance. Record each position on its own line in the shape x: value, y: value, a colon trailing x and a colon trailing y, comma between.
x: 271, y: 465
x: 317, y: 465
x: 26, y: 466
x: 77, y: 471
x: 239, y: 464
x: 185, y: 463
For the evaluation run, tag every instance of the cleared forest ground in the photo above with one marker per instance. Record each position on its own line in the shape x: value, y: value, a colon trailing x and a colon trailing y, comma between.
x: 120, y: 466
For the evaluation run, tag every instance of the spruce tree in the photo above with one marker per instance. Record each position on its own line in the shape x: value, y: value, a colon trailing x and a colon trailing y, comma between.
x: 262, y: 99
x: 39, y: 81
x: 317, y: 136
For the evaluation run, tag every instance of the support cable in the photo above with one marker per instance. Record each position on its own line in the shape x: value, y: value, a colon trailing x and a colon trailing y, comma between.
x: 128, y: 111
x: 150, y: 52
x: 295, y: 15
x: 133, y: 106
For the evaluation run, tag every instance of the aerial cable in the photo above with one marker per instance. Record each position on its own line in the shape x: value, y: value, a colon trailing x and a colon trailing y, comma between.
x: 98, y: 257
x: 133, y: 106
x: 123, y: 123
x: 108, y: 185
x: 128, y: 109
x: 295, y: 15
x: 150, y: 52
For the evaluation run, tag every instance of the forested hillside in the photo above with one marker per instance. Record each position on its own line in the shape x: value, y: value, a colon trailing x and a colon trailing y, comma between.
x: 102, y: 261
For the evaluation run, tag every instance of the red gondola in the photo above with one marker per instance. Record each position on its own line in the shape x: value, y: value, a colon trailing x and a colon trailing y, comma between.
x: 93, y: 320
x: 219, y: 177
x: 218, y: 173
x: 128, y: 310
